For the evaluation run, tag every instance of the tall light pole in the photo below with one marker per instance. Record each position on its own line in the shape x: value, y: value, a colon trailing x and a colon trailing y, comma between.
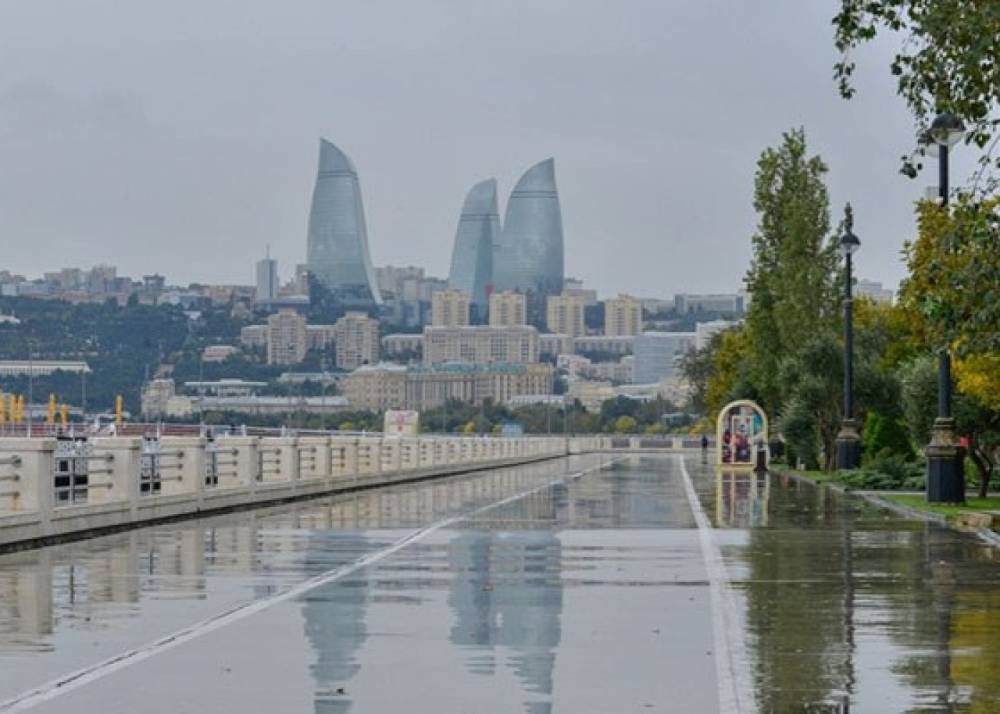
x: 31, y: 384
x: 945, y: 473
x: 848, y: 439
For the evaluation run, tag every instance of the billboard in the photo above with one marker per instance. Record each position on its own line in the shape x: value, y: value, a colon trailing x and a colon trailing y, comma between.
x: 401, y: 422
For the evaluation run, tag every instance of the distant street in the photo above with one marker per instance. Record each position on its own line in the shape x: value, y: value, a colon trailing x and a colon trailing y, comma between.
x: 589, y: 584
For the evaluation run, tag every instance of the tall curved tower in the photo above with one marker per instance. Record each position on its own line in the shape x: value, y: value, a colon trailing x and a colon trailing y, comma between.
x: 529, y: 253
x: 337, y: 249
x: 472, y: 257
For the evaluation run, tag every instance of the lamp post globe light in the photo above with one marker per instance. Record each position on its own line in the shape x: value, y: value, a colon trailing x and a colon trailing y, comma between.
x: 945, y: 474
x: 848, y: 438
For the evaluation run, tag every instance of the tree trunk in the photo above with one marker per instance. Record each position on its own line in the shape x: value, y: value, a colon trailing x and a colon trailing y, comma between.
x: 983, y: 464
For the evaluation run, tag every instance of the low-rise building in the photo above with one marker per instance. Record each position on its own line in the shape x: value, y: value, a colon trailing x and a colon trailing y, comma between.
x: 38, y: 367
x: 874, y: 291
x: 704, y: 331
x: 551, y: 345
x: 590, y: 394
x: 159, y: 398
x: 603, y: 345
x: 391, y: 386
x: 218, y: 353
x: 402, y: 347
x: 254, y: 336
x: 619, y: 372
x: 728, y: 303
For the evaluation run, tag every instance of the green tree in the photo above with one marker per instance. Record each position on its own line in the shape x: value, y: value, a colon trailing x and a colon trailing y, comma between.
x: 794, y: 268
x: 949, y: 58
x: 976, y: 420
x: 625, y: 425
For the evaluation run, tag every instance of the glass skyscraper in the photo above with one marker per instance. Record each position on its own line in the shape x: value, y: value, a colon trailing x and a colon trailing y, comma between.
x: 337, y: 250
x: 472, y: 256
x: 528, y: 255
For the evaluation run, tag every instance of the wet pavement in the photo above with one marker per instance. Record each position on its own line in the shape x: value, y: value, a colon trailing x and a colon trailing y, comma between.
x: 588, y: 584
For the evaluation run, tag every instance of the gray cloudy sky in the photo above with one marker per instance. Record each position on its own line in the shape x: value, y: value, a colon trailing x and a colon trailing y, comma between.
x: 181, y: 136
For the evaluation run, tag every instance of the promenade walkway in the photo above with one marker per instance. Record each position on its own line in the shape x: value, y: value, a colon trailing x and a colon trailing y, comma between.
x: 608, y: 582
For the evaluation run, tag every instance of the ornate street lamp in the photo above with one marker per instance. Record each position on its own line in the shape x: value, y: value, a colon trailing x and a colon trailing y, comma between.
x: 848, y: 439
x: 945, y: 474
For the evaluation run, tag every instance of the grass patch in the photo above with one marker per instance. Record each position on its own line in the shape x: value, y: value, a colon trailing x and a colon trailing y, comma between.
x: 918, y: 502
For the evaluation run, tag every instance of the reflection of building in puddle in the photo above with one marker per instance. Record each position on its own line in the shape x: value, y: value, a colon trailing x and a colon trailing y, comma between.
x: 335, y: 625
x: 507, y: 593
x: 26, y: 602
x: 741, y: 498
x: 92, y: 584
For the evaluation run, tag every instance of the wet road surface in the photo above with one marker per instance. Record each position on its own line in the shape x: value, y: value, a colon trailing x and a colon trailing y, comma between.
x: 589, y: 584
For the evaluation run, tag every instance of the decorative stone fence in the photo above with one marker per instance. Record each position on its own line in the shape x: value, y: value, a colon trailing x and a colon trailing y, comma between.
x: 56, y: 488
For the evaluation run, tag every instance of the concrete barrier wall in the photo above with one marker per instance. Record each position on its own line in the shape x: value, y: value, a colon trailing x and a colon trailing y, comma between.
x: 51, y: 489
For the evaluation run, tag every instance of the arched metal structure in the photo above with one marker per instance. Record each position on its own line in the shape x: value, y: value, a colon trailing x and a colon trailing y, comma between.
x: 741, y: 436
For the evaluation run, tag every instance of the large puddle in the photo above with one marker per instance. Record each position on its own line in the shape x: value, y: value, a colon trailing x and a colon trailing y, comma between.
x: 572, y: 595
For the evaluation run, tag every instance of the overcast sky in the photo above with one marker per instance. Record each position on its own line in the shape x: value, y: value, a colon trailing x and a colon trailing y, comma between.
x: 181, y: 137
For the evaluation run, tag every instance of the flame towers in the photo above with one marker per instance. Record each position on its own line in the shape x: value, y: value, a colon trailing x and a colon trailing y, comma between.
x: 472, y: 257
x: 337, y: 248
x: 529, y: 253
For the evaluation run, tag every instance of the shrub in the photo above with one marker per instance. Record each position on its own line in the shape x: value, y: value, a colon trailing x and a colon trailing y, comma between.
x: 885, y: 435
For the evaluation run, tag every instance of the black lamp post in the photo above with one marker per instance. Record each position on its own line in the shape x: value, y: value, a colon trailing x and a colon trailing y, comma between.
x: 848, y: 439
x: 945, y: 473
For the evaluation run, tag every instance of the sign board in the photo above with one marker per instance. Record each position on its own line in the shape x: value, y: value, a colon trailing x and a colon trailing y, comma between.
x: 401, y: 422
x: 512, y: 428
x: 741, y: 438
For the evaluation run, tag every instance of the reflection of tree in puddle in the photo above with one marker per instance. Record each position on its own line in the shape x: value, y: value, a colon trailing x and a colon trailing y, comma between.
x: 952, y: 635
x: 975, y: 646
x: 507, y: 593
x: 800, y: 602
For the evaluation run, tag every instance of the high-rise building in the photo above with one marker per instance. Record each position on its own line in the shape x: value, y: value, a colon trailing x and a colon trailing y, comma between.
x: 287, y: 338
x: 657, y: 355
x: 508, y: 308
x: 564, y: 314
x: 337, y: 248
x: 450, y: 308
x: 622, y: 316
x: 480, y: 344
x: 472, y: 255
x: 267, y: 278
x: 528, y: 254
x: 356, y: 340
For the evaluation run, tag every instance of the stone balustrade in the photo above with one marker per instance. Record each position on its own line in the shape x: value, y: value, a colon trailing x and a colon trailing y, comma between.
x: 62, y: 488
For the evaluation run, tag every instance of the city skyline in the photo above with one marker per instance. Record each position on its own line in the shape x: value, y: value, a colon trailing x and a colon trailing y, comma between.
x: 662, y: 166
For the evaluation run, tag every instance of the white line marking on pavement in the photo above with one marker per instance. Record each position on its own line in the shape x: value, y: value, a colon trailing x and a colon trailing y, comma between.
x: 74, y: 680
x: 731, y: 693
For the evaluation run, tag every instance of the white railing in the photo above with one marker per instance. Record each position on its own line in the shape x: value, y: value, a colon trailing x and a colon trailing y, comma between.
x: 57, y: 486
